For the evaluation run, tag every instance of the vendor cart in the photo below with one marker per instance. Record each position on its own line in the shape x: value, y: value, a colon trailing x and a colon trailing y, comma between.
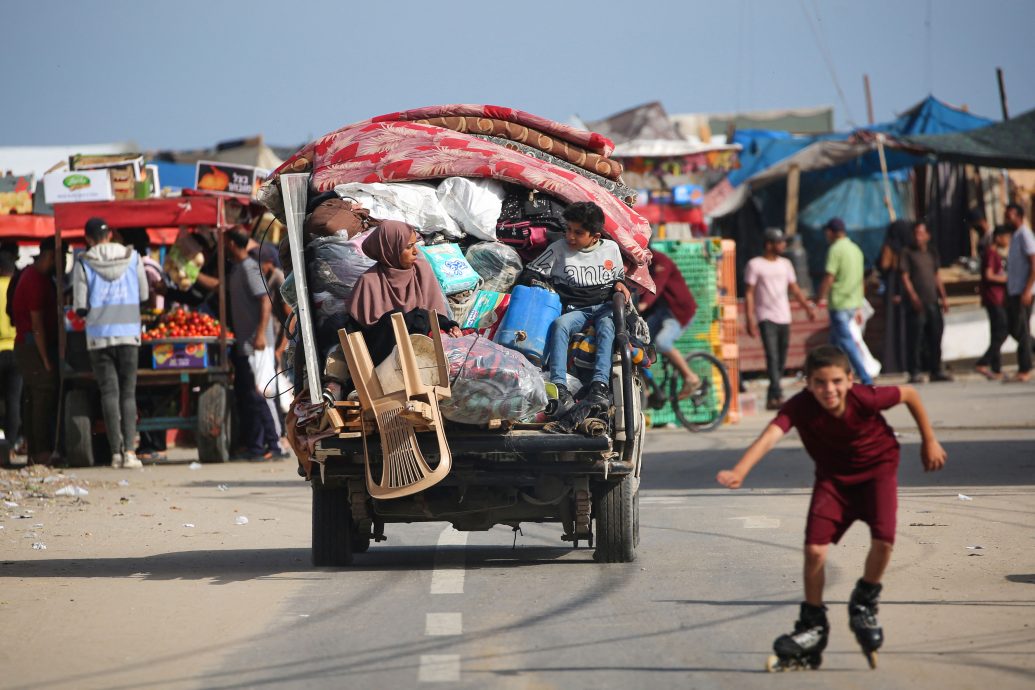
x: 204, y: 385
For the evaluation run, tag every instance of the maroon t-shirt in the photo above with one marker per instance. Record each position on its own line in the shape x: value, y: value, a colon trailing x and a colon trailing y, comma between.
x: 35, y: 292
x: 670, y: 286
x: 853, y: 448
x: 992, y: 294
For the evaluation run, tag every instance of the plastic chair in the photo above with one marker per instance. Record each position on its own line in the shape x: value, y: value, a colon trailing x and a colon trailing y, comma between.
x: 400, y: 414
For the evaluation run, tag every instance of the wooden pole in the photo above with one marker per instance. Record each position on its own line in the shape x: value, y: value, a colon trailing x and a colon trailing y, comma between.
x: 1002, y: 92
x: 869, y: 99
x: 790, y: 220
x: 884, y: 175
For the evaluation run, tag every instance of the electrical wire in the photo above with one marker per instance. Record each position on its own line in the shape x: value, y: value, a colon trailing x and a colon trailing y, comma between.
x: 815, y: 26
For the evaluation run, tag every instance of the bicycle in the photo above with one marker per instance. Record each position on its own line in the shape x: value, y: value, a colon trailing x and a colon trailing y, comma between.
x: 709, y: 404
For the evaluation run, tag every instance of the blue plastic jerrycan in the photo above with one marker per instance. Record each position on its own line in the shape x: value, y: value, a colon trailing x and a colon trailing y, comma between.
x: 526, y: 323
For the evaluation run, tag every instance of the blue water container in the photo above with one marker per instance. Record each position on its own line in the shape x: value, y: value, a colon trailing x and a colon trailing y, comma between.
x: 526, y: 323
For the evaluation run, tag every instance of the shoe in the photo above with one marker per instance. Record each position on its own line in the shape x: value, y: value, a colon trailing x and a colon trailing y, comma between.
x: 940, y: 376
x: 597, y: 395
x: 773, y: 404
x: 278, y: 454
x: 916, y: 378
x: 116, y: 461
x: 130, y: 461
x: 1019, y: 377
x: 564, y: 402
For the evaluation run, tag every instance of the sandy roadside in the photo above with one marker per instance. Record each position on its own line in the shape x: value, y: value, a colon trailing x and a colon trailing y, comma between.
x: 170, y: 599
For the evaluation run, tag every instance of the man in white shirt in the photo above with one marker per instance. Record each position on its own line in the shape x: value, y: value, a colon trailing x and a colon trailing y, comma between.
x: 1020, y: 285
x: 768, y: 278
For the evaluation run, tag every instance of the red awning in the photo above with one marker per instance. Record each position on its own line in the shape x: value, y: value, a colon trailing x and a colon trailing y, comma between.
x: 149, y: 213
x: 19, y: 227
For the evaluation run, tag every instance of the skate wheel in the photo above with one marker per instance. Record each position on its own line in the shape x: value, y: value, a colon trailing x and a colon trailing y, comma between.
x: 871, y: 659
x: 773, y: 664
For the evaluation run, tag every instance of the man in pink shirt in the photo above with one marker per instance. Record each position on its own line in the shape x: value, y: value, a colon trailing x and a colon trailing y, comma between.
x: 768, y: 278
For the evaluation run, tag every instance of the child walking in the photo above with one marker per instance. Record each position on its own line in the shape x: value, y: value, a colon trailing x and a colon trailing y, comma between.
x: 586, y: 270
x: 856, y: 456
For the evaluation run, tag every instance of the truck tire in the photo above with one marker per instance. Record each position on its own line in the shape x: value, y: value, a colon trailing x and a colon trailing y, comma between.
x: 213, y: 430
x: 360, y: 543
x: 332, y: 526
x: 615, y: 507
x: 79, y: 428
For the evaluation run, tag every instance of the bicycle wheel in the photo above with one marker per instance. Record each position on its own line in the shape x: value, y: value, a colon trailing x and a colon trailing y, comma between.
x: 707, y: 407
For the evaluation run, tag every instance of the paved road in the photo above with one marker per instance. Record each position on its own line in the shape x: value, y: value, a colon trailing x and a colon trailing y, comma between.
x: 716, y: 580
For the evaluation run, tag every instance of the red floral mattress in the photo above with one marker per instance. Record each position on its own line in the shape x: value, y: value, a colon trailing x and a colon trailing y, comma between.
x: 392, y: 148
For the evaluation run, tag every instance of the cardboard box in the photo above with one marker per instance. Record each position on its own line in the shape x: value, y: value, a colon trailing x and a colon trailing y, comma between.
x: 77, y: 185
x: 179, y: 355
x: 224, y: 178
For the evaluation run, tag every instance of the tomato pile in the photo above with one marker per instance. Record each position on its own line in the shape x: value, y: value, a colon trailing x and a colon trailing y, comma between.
x: 185, y: 324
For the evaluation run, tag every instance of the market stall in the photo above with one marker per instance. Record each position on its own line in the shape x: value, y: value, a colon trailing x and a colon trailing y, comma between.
x: 180, y: 349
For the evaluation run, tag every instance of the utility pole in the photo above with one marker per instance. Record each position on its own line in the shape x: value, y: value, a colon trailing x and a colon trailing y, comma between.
x: 869, y: 99
x: 1002, y: 92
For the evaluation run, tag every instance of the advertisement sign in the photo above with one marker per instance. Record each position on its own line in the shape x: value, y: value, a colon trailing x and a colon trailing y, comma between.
x: 15, y: 194
x: 77, y: 185
x: 224, y: 178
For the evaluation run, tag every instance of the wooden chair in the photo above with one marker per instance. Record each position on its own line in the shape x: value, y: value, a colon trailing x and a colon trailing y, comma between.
x: 400, y: 414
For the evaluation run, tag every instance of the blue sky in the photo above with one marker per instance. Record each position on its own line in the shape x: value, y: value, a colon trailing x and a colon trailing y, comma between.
x: 187, y: 74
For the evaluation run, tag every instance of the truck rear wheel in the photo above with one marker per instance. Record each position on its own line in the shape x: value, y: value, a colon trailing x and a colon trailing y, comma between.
x: 213, y: 431
x: 615, y: 506
x: 332, y: 526
x: 79, y: 428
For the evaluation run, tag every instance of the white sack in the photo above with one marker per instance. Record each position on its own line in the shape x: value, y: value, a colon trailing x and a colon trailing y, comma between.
x: 415, y: 203
x: 474, y: 204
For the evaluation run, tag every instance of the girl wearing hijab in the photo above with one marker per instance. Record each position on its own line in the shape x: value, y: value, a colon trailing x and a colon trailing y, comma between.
x: 401, y: 281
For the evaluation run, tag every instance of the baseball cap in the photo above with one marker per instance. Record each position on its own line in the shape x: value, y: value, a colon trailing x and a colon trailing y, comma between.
x: 835, y: 225
x: 96, y: 226
x: 774, y: 235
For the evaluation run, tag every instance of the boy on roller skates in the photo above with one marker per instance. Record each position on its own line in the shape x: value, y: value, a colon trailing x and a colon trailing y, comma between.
x: 856, y: 456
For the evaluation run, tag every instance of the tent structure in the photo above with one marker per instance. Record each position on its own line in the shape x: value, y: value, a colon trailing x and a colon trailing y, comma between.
x: 840, y: 176
x: 1009, y: 144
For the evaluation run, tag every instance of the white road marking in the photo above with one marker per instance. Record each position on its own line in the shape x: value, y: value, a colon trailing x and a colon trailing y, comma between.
x: 448, y: 575
x: 439, y: 668
x: 759, y: 522
x: 443, y: 624
x: 664, y: 500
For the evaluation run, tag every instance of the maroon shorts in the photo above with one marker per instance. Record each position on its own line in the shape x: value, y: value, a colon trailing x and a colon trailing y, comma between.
x: 836, y: 506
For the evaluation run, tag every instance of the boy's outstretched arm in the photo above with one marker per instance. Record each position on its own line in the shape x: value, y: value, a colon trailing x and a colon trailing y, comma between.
x: 931, y: 452
x: 732, y: 479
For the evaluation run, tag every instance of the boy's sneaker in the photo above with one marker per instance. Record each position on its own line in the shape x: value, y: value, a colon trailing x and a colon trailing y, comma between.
x: 116, y: 461
x: 130, y: 461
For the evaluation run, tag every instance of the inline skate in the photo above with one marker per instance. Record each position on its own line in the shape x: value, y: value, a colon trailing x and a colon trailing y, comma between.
x: 802, y: 650
x: 862, y: 619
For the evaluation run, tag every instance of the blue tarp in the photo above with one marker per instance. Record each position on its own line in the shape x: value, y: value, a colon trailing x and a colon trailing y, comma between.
x: 852, y: 191
x: 175, y: 175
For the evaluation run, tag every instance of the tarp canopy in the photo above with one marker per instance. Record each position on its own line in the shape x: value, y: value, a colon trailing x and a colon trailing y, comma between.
x: 1009, y: 144
x: 767, y: 157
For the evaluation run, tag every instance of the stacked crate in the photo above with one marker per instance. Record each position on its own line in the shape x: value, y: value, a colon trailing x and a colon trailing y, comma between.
x: 698, y: 261
x: 727, y: 348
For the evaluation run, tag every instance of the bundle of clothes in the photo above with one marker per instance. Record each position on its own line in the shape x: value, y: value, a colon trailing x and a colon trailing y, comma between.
x: 485, y: 189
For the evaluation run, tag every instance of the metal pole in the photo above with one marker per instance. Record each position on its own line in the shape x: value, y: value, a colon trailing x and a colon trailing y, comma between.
x: 869, y: 99
x: 1002, y: 92
x: 293, y: 188
x: 790, y: 220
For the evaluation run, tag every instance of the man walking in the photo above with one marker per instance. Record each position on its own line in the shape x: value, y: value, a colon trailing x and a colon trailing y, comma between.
x: 1020, y: 284
x: 844, y: 283
x: 928, y: 301
x: 34, y: 306
x: 769, y: 278
x: 254, y: 367
x: 108, y: 285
